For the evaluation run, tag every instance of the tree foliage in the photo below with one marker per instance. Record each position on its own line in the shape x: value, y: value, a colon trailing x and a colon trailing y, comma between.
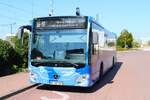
x: 13, y: 58
x: 22, y: 50
x: 8, y: 56
x: 125, y: 39
x: 136, y: 44
x: 149, y: 42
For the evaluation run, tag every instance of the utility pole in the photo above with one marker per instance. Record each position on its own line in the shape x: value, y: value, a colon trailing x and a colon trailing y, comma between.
x: 11, y: 26
x: 32, y: 4
x: 52, y: 8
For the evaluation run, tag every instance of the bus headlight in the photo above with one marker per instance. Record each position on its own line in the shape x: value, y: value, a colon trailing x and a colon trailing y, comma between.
x: 83, y: 78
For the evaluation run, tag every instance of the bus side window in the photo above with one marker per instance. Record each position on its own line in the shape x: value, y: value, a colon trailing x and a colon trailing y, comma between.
x: 95, y: 43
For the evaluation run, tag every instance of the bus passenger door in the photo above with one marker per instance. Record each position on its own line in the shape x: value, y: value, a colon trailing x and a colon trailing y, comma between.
x: 94, y: 48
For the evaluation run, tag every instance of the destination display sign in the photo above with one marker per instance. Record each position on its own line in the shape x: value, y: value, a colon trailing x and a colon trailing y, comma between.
x: 61, y: 23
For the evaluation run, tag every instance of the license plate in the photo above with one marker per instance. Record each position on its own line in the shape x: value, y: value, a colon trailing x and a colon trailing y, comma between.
x: 56, y: 83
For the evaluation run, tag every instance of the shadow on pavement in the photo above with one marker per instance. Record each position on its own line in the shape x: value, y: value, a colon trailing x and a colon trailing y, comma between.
x: 107, y: 79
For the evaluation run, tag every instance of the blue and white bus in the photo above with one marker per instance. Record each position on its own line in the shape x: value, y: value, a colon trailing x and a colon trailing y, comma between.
x: 69, y: 50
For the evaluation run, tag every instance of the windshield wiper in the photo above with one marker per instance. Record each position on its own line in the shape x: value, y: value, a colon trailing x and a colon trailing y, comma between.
x: 54, y: 63
x: 74, y: 64
x: 39, y: 63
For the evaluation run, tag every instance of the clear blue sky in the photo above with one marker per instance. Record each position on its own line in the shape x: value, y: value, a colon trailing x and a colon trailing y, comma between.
x: 114, y: 15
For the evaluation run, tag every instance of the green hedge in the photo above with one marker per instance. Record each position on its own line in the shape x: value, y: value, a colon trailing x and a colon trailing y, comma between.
x: 8, y: 57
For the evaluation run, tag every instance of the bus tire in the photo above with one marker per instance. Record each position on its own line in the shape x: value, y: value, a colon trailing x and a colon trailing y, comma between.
x: 101, y: 72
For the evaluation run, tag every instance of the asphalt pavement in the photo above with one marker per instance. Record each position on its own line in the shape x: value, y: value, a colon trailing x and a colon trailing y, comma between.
x: 129, y: 80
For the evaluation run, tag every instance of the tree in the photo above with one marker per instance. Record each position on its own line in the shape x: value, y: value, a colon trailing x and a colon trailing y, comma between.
x: 149, y: 42
x: 8, y: 56
x: 125, y: 39
x: 22, y: 50
x: 136, y: 44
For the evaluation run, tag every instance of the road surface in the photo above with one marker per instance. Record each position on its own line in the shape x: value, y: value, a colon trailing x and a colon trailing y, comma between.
x: 129, y: 80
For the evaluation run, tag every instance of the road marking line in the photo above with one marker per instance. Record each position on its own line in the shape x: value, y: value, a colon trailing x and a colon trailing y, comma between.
x: 44, y: 98
x: 64, y: 96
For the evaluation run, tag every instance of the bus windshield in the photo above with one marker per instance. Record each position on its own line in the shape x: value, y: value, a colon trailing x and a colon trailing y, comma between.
x: 59, y: 48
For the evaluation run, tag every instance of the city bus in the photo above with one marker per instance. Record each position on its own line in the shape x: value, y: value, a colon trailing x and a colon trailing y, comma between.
x: 69, y: 50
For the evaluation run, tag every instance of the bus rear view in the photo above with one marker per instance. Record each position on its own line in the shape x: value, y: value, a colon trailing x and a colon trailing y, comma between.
x: 58, y: 52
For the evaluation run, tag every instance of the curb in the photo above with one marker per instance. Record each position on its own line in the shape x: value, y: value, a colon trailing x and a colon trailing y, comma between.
x: 17, y: 92
x: 129, y: 51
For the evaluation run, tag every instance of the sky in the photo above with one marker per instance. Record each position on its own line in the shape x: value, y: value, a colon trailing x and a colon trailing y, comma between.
x: 114, y: 15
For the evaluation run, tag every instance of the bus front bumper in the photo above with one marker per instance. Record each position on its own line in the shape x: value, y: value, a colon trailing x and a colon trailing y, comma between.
x: 74, y: 80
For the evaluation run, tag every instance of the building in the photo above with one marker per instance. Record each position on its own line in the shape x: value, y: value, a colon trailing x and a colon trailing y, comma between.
x: 145, y: 41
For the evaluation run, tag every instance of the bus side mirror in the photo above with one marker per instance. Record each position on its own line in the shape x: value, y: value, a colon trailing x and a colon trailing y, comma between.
x: 21, y: 32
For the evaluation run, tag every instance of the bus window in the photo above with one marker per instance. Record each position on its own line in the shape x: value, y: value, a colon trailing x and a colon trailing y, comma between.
x: 95, y: 40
